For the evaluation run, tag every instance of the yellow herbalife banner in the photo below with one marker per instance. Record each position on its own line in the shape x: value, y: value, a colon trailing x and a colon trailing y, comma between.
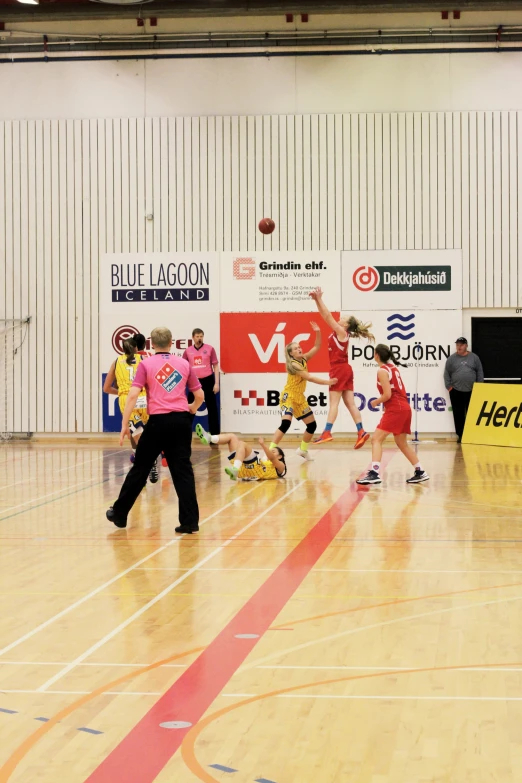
x: 495, y: 415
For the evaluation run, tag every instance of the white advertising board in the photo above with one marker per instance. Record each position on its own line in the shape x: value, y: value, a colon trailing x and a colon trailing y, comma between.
x: 250, y: 403
x: 421, y: 340
x: 279, y: 281
x: 158, y: 283
x: 413, y: 279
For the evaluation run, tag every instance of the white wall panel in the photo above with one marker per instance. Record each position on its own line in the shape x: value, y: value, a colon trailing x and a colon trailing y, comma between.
x: 71, y: 190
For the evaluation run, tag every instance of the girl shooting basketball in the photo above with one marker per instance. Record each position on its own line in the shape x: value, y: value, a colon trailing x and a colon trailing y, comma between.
x: 395, y: 420
x: 247, y: 463
x: 293, y: 400
x: 341, y: 368
x: 123, y: 371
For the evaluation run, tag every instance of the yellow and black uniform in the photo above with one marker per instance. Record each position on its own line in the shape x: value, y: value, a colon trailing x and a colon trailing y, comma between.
x: 256, y: 469
x: 125, y: 374
x: 293, y: 400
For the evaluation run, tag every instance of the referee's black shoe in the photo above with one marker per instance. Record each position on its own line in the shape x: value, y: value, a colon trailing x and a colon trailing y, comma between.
x: 111, y: 516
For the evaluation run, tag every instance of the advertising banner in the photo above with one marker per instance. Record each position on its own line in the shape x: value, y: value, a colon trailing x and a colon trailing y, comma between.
x: 495, y: 415
x: 113, y: 332
x: 422, y: 340
x: 255, y: 342
x: 412, y: 279
x: 270, y: 282
x: 158, y: 283
x: 250, y: 403
x: 141, y: 291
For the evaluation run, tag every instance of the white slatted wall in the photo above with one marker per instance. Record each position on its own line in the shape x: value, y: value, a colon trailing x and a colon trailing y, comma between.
x: 71, y: 190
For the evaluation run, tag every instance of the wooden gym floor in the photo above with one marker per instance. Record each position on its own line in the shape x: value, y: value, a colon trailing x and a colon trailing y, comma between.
x: 311, y: 632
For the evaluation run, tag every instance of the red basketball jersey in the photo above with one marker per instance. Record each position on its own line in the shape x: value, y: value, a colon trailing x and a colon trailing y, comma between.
x: 337, y: 351
x: 398, y: 393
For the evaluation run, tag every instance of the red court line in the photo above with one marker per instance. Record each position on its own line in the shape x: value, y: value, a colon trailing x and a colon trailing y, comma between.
x: 144, y: 752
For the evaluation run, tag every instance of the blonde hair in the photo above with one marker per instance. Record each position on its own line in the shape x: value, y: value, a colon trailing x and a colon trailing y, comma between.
x: 356, y: 328
x: 290, y: 368
x: 161, y: 337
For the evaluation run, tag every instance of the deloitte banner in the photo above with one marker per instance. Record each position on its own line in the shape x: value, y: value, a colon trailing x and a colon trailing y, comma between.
x: 413, y: 279
x: 495, y: 415
x: 423, y: 340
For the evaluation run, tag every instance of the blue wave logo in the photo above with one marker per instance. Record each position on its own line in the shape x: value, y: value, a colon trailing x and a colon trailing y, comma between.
x: 400, y: 327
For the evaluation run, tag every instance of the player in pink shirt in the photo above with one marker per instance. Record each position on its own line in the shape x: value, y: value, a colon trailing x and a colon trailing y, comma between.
x: 204, y: 362
x: 169, y: 430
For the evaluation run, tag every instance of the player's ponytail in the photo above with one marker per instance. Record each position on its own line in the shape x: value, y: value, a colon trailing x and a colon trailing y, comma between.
x: 356, y: 328
x: 129, y: 349
x: 290, y: 366
x: 386, y: 356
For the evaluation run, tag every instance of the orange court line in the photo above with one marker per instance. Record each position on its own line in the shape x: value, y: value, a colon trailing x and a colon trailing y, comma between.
x: 28, y: 744
x: 188, y: 750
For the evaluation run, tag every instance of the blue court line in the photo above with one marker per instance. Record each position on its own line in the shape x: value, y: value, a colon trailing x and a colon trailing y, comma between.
x: 221, y: 768
x: 45, y: 720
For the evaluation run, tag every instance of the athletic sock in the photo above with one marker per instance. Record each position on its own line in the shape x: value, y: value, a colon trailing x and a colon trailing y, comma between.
x: 418, y: 466
x: 376, y: 466
x: 304, y: 446
x: 273, y: 445
x: 359, y: 426
x: 214, y: 438
x: 328, y: 427
x: 237, y: 464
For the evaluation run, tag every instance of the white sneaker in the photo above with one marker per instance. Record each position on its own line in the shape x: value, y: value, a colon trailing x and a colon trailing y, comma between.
x: 305, y: 455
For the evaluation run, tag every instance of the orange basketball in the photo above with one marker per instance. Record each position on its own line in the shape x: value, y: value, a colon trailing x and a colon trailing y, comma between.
x: 266, y: 225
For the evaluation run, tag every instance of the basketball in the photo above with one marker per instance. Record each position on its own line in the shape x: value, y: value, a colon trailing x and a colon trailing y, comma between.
x: 266, y: 225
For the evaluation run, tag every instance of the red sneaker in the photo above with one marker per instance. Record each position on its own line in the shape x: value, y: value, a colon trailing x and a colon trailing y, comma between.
x: 324, y: 438
x: 362, y: 437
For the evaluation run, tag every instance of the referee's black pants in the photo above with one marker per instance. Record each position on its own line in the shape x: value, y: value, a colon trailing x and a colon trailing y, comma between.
x: 207, y: 385
x: 460, y: 404
x: 170, y: 433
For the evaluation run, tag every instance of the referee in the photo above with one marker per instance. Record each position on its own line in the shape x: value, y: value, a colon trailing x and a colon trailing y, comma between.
x: 165, y: 378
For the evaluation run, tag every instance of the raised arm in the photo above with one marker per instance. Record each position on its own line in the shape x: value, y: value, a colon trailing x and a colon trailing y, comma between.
x: 317, y: 344
x: 317, y: 296
x: 274, y: 459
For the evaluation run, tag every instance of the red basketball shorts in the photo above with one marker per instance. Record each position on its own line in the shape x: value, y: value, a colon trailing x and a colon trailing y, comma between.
x: 344, y: 374
x: 397, y: 421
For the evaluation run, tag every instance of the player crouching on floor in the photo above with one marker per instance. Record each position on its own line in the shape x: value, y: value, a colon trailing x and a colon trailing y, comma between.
x: 247, y: 463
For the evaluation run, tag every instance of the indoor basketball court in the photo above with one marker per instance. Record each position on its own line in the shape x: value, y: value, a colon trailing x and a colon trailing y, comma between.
x: 352, y: 230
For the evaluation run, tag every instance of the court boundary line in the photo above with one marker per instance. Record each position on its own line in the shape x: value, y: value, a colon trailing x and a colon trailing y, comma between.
x: 26, y: 746
x: 188, y: 750
x: 115, y: 631
x: 194, y: 691
x: 114, y: 579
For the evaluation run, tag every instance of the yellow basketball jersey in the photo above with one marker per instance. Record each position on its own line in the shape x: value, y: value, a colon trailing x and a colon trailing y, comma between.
x: 295, y: 385
x: 260, y: 469
x: 125, y: 374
